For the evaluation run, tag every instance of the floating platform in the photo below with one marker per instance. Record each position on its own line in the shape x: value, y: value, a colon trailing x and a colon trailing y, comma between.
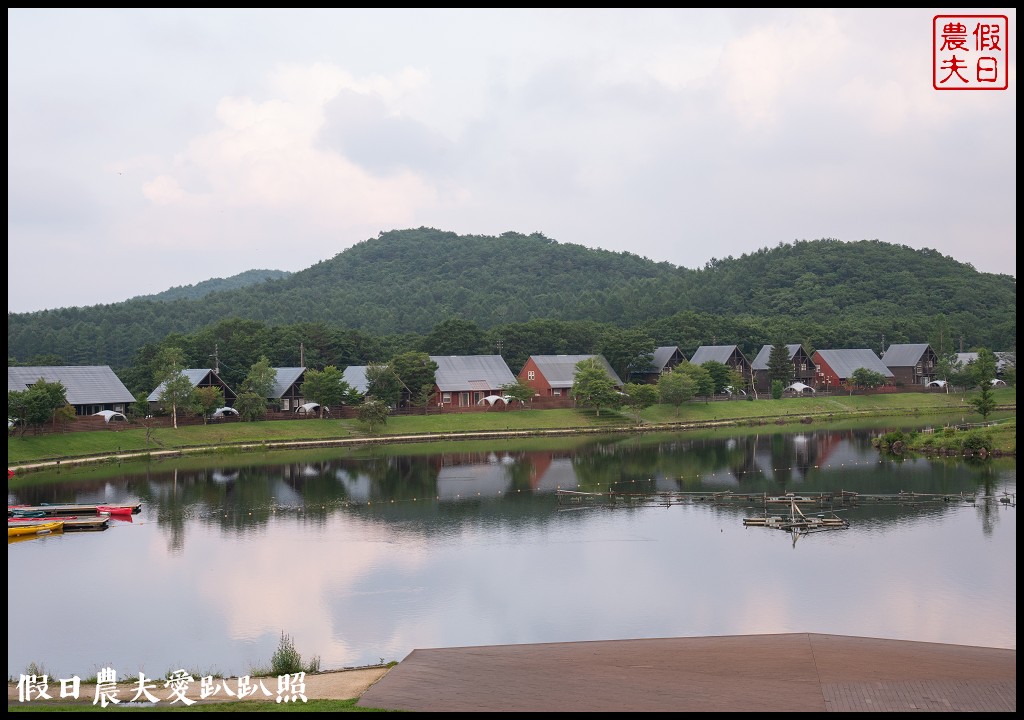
x: 70, y: 524
x: 69, y: 509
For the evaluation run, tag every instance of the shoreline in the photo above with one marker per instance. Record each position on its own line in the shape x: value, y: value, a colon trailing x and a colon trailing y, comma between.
x: 643, y: 427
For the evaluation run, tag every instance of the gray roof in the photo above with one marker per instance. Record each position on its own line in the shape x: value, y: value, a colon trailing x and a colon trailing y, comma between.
x: 661, y: 356
x: 560, y: 370
x: 904, y: 355
x: 195, y: 376
x: 471, y: 372
x: 844, y: 362
x: 355, y: 376
x: 718, y: 353
x: 85, y: 385
x: 286, y: 376
x: 761, y: 361
x: 1003, y: 359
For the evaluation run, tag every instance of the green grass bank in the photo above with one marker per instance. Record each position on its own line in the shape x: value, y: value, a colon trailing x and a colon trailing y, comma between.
x: 134, y: 440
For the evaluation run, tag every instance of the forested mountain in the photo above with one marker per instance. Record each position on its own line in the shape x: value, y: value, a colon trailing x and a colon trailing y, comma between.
x: 391, y: 292
x: 193, y: 292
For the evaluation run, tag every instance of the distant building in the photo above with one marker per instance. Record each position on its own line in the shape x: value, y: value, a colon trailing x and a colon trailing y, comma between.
x: 730, y: 355
x: 465, y: 380
x: 803, y: 367
x: 553, y: 375
x: 664, y: 359
x: 89, y: 388
x: 200, y: 377
x: 836, y: 367
x: 287, y: 392
x: 911, y: 364
x: 355, y: 376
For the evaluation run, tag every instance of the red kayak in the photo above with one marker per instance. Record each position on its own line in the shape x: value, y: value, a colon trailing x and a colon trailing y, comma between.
x: 114, y: 509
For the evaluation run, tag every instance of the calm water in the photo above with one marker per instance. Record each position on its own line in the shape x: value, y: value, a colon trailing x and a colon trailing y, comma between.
x: 365, y: 555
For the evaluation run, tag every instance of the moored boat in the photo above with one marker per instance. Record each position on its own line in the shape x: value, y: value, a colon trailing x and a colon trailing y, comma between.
x: 72, y: 509
x: 23, y: 529
x: 70, y: 523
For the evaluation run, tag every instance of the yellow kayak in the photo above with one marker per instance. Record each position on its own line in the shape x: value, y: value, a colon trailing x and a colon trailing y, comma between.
x: 22, y: 529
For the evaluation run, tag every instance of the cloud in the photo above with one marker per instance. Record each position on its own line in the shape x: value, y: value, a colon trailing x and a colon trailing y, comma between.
x: 139, y: 139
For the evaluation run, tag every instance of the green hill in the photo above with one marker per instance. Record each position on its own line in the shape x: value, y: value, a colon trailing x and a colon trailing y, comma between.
x: 826, y: 292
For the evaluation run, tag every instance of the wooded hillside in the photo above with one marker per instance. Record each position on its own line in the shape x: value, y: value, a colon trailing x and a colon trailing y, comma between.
x: 391, y: 290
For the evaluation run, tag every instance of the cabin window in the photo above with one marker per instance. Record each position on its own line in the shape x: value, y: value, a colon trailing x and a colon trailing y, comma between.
x: 446, y: 397
x: 556, y: 392
x: 530, y: 374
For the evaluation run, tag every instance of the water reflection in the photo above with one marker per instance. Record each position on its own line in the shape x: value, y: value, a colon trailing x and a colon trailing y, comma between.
x: 370, y: 553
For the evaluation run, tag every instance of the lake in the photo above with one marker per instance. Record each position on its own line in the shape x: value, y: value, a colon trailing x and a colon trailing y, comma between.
x: 363, y: 555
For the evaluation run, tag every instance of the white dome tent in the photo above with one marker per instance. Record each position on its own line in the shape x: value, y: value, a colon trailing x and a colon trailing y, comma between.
x: 310, y: 408
x: 799, y: 388
x: 493, y: 399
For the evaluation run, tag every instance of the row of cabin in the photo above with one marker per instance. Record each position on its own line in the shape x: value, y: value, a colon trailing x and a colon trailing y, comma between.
x: 470, y: 380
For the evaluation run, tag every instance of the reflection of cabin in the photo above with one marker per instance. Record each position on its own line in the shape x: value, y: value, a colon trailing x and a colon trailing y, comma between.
x: 287, y: 392
x: 200, y: 378
x: 726, y: 354
x: 664, y: 360
x: 836, y: 367
x: 465, y: 380
x: 911, y: 364
x: 553, y: 375
x: 89, y: 388
x: 803, y: 368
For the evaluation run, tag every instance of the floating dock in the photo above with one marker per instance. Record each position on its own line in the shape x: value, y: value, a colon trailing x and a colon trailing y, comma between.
x: 57, y: 510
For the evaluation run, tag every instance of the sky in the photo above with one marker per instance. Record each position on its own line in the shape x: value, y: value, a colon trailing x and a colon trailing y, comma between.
x: 157, y: 148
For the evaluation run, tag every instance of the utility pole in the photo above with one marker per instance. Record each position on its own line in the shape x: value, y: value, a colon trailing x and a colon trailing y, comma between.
x: 302, y: 355
x: 216, y: 360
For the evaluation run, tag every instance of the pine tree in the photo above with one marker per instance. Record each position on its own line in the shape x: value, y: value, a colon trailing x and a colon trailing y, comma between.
x: 779, y: 365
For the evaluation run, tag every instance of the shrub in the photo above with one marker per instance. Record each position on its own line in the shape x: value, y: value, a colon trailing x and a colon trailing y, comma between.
x: 286, y: 660
x: 977, y: 440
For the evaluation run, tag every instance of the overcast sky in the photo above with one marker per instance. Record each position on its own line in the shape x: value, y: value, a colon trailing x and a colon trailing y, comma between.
x: 149, y: 149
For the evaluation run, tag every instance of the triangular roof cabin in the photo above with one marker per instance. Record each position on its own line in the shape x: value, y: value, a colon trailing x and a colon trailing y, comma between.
x: 730, y: 355
x: 911, y: 364
x: 287, y: 392
x: 355, y: 376
x: 803, y: 366
x: 663, y: 360
x: 199, y: 377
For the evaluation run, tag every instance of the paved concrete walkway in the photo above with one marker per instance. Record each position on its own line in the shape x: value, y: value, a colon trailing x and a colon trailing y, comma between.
x: 800, y: 672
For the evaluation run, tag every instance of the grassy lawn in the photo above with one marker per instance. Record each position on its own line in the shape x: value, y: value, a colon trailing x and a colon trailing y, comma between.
x: 267, y: 434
